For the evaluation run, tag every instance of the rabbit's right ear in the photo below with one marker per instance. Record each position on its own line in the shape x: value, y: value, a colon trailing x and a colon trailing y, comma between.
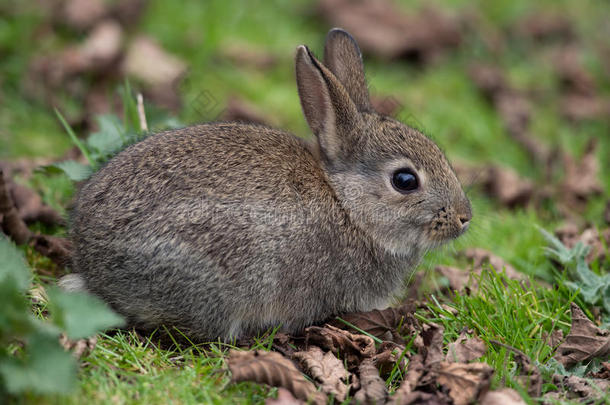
x: 330, y: 112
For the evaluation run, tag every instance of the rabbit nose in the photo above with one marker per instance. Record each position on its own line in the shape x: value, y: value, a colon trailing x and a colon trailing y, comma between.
x: 465, y: 221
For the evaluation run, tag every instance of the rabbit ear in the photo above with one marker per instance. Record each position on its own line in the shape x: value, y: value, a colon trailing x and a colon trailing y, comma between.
x: 329, y: 110
x: 343, y: 57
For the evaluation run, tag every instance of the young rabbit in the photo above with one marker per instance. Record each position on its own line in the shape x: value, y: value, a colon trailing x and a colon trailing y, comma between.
x: 225, y: 229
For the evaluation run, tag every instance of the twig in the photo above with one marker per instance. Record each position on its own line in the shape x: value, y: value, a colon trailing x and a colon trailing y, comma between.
x: 142, y: 113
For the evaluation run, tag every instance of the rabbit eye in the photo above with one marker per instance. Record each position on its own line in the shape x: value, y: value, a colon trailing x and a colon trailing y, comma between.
x: 404, y: 180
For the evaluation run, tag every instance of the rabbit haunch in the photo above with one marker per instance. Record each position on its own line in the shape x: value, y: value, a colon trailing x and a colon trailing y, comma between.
x: 226, y: 229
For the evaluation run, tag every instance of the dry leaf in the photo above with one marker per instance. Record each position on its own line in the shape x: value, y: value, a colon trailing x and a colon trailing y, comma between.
x: 241, y: 110
x: 423, y: 398
x: 82, y: 14
x: 465, y: 349
x: 480, y: 257
x: 102, y: 47
x: 284, y: 397
x: 604, y: 372
x: 79, y: 347
x: 530, y: 374
x: 372, y: 387
x: 326, y: 370
x: 376, y: 322
x: 30, y: 206
x: 387, y: 357
x: 580, y: 182
x: 504, y: 396
x: 404, y: 393
x: 554, y: 339
x: 569, y: 236
x: 12, y: 224
x: 584, y: 342
x: 58, y: 249
x: 272, y: 369
x: 458, y: 278
x: 384, y: 30
x: 147, y: 61
x: 577, y: 387
x: 433, y: 343
x: 351, y: 347
x: 465, y: 382
x: 247, y: 55
x: 544, y: 26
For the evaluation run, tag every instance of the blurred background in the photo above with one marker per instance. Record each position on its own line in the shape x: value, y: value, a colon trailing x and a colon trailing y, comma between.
x: 516, y: 92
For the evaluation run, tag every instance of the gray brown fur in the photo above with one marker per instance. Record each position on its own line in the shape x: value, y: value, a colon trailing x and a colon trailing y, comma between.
x: 226, y: 229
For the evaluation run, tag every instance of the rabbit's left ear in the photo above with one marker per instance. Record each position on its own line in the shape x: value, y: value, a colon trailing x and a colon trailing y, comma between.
x: 342, y: 56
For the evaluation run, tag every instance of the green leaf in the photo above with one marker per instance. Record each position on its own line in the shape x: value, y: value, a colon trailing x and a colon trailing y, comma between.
x: 47, y: 368
x: 109, y: 138
x: 13, y: 265
x: 80, y: 314
x: 74, y: 170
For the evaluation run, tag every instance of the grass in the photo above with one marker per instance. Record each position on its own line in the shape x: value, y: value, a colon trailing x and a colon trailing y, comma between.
x: 126, y: 369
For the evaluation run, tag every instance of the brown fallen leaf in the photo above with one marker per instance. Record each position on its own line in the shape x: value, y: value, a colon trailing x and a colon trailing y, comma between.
x: 388, y: 105
x: 577, y: 107
x: 102, y: 48
x: 545, y: 26
x: 423, y: 398
x: 58, y: 249
x: 508, y: 187
x: 147, y: 61
x: 384, y: 30
x: 604, y: 372
x: 591, y: 236
x: 326, y: 370
x: 580, y: 182
x: 504, y: 396
x: 79, y: 347
x: 247, y: 55
x: 513, y: 107
x: 284, y: 397
x: 530, y: 376
x: 12, y: 224
x: 30, y: 206
x: 433, y: 344
x: 554, y: 339
x: 82, y: 14
x: 500, y: 183
x: 466, y: 382
x: 241, y: 110
x: 389, y: 355
x: 352, y: 347
x: 272, y: 369
x: 458, y: 278
x: 574, y: 78
x: 465, y: 349
x: 376, y: 322
x: 481, y: 257
x: 404, y: 393
x: 372, y: 387
x: 584, y: 342
x: 578, y: 387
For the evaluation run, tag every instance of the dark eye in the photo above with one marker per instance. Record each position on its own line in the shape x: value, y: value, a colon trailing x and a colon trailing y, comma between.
x: 404, y: 180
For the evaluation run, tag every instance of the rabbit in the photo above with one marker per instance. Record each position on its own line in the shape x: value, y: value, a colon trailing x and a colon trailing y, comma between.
x: 224, y: 230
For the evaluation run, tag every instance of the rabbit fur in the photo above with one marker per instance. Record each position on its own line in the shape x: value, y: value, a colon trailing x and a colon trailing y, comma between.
x: 226, y: 229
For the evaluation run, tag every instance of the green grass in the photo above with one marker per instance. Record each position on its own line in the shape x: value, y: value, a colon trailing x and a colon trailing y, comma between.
x: 442, y: 99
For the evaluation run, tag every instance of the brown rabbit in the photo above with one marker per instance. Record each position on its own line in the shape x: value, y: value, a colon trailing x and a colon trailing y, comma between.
x: 226, y: 229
